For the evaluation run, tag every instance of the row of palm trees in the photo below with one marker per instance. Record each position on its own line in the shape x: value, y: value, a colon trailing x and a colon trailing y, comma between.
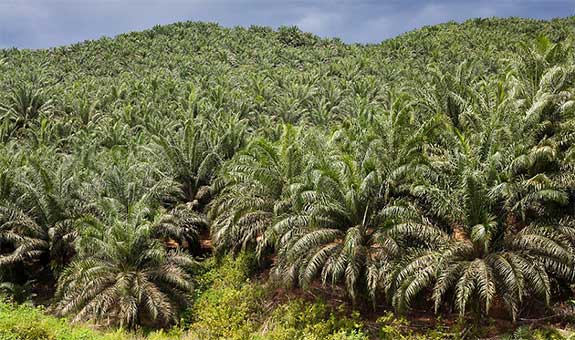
x: 115, y: 229
x: 453, y: 185
x: 473, y: 205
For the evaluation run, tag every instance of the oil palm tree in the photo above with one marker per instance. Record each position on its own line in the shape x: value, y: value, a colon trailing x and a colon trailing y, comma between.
x: 125, y: 276
x: 25, y: 103
x: 195, y: 152
x: 124, y: 180
x: 479, y: 255
x: 540, y: 175
x: 257, y: 187
x: 480, y: 265
x: 335, y: 235
x: 36, y: 218
x: 126, y: 186
x: 339, y: 233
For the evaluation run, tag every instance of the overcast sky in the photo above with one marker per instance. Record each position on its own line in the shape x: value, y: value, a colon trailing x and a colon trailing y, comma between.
x: 48, y: 23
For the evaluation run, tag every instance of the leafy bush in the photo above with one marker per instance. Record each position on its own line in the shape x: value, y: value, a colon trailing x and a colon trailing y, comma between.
x: 24, y: 322
x: 229, y: 304
x: 299, y: 319
x: 232, y: 307
x: 529, y: 333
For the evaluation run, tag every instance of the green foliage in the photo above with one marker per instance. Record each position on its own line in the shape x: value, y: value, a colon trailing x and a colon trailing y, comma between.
x: 227, y: 307
x: 298, y: 319
x: 124, y: 276
x: 529, y: 333
x: 24, y: 322
x: 437, y: 167
x: 18, y: 293
x: 294, y: 37
x: 233, y: 307
x: 226, y: 313
x: 25, y: 104
x: 227, y: 271
x: 391, y: 327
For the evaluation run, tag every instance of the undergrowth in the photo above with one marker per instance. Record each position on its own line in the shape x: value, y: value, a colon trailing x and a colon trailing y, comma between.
x: 229, y: 305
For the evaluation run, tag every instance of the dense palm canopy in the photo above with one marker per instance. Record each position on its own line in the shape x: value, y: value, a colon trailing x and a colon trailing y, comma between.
x: 39, y: 204
x: 257, y: 186
x: 438, y: 166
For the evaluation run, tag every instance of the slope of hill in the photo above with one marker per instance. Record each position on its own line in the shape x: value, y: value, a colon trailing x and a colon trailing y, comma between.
x: 434, y: 169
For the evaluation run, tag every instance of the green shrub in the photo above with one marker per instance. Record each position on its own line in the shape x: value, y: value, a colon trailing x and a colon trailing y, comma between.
x: 226, y: 272
x: 529, y: 333
x: 231, y: 307
x: 299, y: 319
x: 227, y: 313
x: 392, y: 328
x: 24, y: 322
x: 228, y: 305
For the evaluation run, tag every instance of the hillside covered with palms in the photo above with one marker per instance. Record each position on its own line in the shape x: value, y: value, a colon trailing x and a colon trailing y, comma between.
x: 431, y: 174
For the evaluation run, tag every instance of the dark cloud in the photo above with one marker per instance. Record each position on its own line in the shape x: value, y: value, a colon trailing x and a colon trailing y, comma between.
x: 45, y: 23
